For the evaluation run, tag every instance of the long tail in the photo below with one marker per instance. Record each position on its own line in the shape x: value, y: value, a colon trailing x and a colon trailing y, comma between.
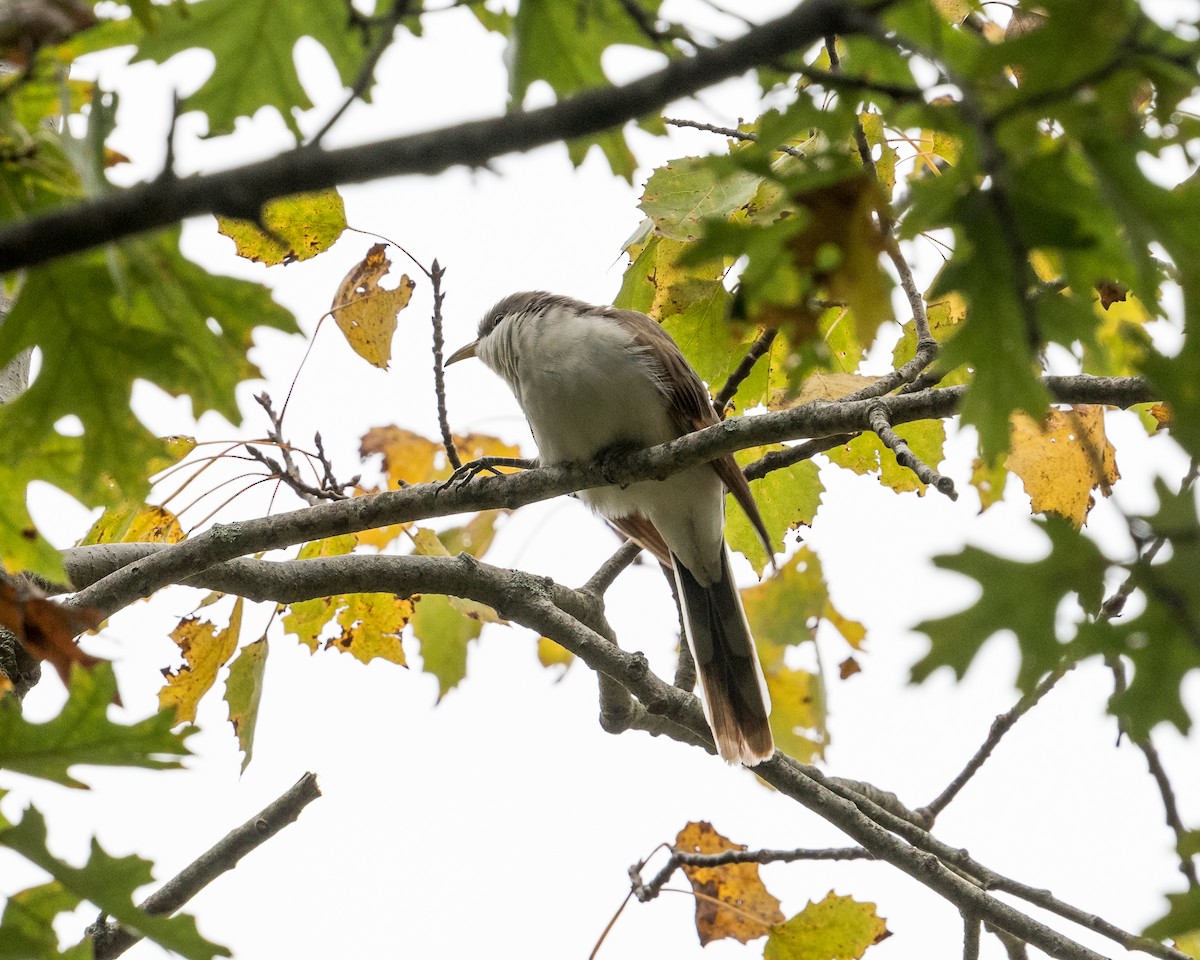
x: 735, y: 695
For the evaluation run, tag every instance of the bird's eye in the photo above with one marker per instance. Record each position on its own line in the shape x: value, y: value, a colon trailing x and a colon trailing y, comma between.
x: 494, y: 321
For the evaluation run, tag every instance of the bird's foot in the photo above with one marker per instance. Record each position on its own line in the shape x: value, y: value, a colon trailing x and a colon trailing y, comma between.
x: 469, y: 471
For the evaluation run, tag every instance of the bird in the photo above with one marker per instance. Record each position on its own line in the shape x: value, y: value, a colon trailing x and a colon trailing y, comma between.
x: 593, y: 380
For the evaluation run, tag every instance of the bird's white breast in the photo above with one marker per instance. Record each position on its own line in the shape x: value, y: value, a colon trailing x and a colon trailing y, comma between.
x: 586, y: 386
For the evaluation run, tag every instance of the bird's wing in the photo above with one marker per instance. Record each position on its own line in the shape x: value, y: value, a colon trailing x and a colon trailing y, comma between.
x: 692, y: 407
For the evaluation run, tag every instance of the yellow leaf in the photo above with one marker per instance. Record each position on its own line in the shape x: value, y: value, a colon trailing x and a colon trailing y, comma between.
x: 827, y: 386
x: 366, y: 313
x: 371, y: 627
x: 134, y: 522
x: 837, y: 928
x: 205, y: 649
x: 296, y: 228
x: 408, y: 458
x: 955, y: 11
x: 798, y: 716
x: 1061, y: 460
x: 371, y: 623
x: 551, y: 654
x: 731, y: 901
x: 1189, y: 943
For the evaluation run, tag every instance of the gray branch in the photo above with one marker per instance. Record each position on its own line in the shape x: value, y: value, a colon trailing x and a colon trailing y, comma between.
x: 241, y: 192
x: 227, y: 541
x: 110, y: 939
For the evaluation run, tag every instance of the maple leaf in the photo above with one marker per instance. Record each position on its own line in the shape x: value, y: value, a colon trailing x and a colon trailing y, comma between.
x: 731, y: 900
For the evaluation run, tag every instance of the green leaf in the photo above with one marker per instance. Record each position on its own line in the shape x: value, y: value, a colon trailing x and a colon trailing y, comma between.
x: 837, y: 928
x: 308, y: 223
x: 1182, y: 918
x: 562, y: 42
x: 1021, y: 596
x: 1162, y: 641
x: 243, y: 692
x: 682, y: 194
x: 866, y: 454
x: 443, y: 633
x: 109, y: 883
x: 995, y: 339
x: 82, y: 733
x: 103, y: 319
x: 26, y: 928
x: 253, y: 42
x: 786, y: 498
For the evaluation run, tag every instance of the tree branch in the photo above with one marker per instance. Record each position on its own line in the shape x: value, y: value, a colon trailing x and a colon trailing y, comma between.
x: 560, y: 613
x: 227, y: 541
x: 110, y: 939
x: 242, y: 191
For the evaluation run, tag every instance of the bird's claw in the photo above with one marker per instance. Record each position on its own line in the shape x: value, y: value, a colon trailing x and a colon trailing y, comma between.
x: 469, y: 471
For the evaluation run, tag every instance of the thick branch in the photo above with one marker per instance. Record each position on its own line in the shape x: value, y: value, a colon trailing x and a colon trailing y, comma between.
x: 227, y: 541
x: 559, y: 613
x: 242, y: 191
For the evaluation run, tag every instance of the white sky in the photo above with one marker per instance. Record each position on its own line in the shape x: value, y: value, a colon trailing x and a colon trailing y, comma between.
x: 504, y: 819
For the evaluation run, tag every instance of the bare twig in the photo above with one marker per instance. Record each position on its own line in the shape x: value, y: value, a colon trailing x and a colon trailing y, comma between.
x: 1154, y: 762
x: 1000, y: 726
x: 780, y: 459
x: 731, y: 132
x: 758, y: 348
x: 603, y: 578
x: 386, y: 25
x: 110, y: 939
x: 436, y: 272
x: 648, y: 890
x: 123, y: 213
x: 905, y: 457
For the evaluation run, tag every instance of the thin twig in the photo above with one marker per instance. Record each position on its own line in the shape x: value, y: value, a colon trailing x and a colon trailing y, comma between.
x: 436, y: 272
x: 603, y: 578
x: 758, y: 348
x: 788, y: 456
x: 387, y: 25
x: 732, y: 133
x: 110, y: 939
x: 646, y: 891
x: 905, y: 457
x: 1000, y: 726
x: 1159, y: 772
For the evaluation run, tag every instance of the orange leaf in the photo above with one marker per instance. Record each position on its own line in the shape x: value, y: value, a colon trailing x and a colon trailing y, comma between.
x: 731, y: 900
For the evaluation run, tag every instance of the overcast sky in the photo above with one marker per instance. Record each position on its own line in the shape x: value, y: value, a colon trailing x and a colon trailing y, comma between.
x: 503, y: 819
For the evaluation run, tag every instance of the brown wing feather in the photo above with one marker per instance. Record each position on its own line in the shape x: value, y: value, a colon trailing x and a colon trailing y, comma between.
x: 645, y: 534
x: 689, y: 402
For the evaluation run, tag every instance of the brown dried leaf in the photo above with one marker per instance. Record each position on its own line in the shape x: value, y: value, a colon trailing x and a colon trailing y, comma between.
x: 848, y: 668
x: 366, y: 313
x: 1061, y: 460
x: 731, y: 900
x: 47, y: 629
